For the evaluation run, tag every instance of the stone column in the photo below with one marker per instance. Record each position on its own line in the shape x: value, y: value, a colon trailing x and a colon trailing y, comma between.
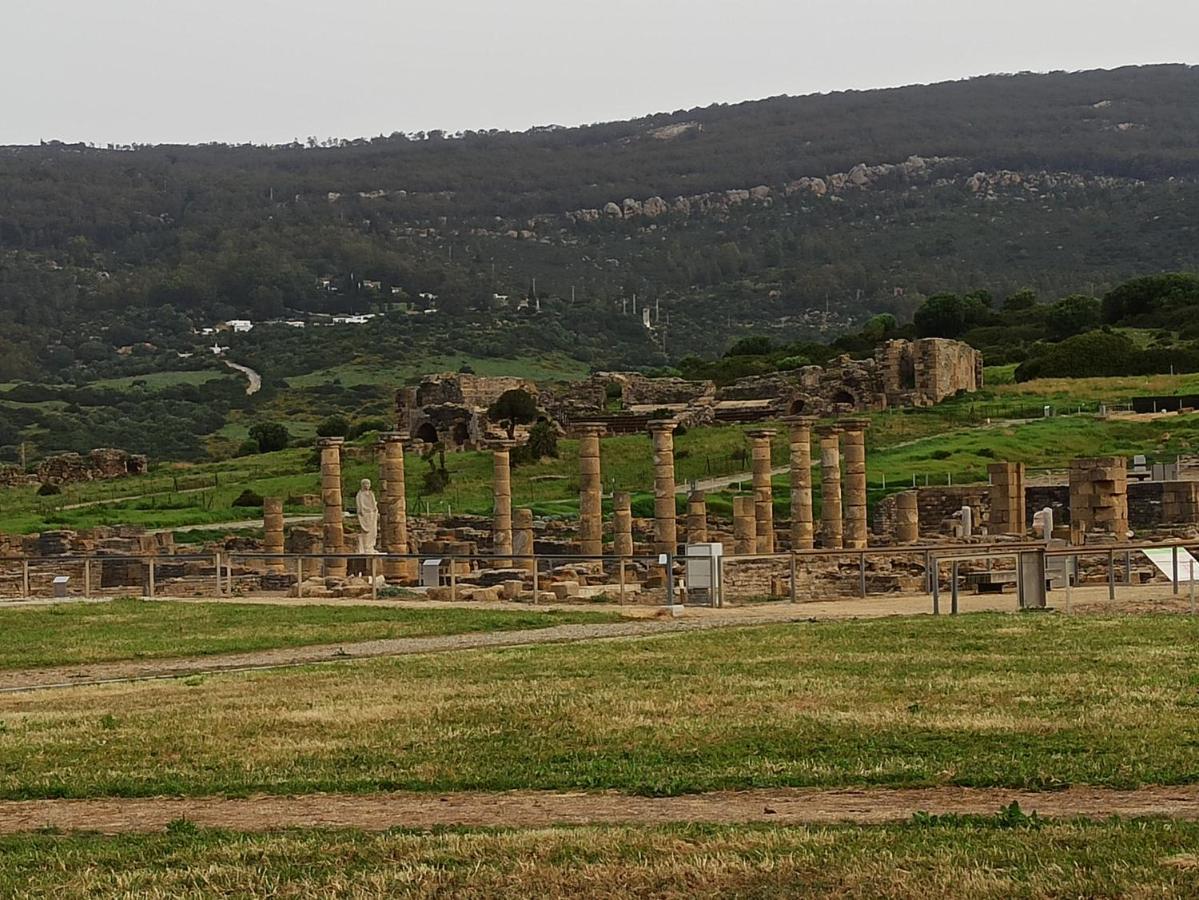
x: 697, y: 518
x: 745, y: 537
x: 393, y: 511
x: 1098, y: 497
x: 622, y: 523
x: 854, y: 443
x: 802, y: 533
x: 666, y: 538
x: 501, y: 492
x: 591, y: 510
x: 907, y: 517
x: 763, y: 492
x: 522, y: 538
x: 333, y: 533
x: 830, y: 488
x: 272, y: 530
x: 1008, y: 512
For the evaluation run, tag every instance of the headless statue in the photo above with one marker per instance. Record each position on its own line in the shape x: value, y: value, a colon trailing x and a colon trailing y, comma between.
x: 368, y: 519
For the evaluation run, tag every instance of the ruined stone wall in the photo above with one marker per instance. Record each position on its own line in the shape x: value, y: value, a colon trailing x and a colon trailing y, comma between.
x: 473, y: 391
x: 72, y: 468
x: 935, y: 505
x: 927, y: 371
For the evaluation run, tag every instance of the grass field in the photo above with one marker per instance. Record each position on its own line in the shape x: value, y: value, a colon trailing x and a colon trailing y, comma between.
x: 73, y: 633
x: 980, y: 700
x: 542, y: 368
x: 981, y: 858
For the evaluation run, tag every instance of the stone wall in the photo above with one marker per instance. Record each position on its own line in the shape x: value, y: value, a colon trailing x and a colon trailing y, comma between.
x: 72, y: 468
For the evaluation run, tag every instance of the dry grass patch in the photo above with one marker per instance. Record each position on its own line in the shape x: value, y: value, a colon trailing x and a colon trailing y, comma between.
x: 988, y: 857
x: 886, y: 702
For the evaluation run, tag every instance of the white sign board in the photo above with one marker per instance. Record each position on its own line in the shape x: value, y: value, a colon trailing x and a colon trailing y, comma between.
x: 1163, y: 558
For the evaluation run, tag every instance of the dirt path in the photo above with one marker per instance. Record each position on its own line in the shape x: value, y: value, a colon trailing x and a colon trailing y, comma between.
x: 20, y: 680
x: 254, y: 379
x: 537, y: 809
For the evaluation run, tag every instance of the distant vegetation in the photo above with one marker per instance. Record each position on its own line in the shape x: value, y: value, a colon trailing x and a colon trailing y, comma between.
x: 113, y: 260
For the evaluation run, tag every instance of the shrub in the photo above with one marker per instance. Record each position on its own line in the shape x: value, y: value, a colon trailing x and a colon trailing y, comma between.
x: 334, y: 426
x: 248, y: 498
x: 269, y: 436
x: 366, y: 426
x: 248, y: 447
x: 48, y: 490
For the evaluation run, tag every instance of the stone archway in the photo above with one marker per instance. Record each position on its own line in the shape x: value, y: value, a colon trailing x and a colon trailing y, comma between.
x: 427, y: 433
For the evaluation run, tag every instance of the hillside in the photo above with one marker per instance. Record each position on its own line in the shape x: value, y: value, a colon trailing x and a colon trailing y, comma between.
x: 797, y: 217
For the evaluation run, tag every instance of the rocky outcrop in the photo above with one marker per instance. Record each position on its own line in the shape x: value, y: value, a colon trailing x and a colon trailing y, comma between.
x: 72, y: 468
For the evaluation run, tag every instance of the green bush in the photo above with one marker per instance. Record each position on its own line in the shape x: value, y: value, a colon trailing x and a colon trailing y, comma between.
x: 248, y: 498
x: 334, y: 426
x: 48, y: 490
x: 269, y: 437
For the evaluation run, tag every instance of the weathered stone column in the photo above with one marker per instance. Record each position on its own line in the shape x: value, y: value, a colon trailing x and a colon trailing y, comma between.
x: 393, y: 511
x: 666, y: 538
x: 802, y: 533
x: 853, y: 442
x: 333, y: 538
x: 907, y: 517
x: 697, y: 518
x: 763, y: 492
x: 830, y: 488
x: 1008, y: 511
x: 522, y: 538
x: 272, y: 531
x: 501, y: 492
x: 745, y: 537
x: 591, y: 487
x: 622, y: 523
x: 1098, y: 497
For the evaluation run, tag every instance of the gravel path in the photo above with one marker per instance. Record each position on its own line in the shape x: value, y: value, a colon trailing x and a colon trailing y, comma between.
x: 537, y: 809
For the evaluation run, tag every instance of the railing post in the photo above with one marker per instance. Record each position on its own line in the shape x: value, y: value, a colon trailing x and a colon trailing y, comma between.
x: 1174, y: 558
x: 1128, y: 567
x: 299, y: 577
x: 1191, y: 565
x: 953, y: 589
x: 216, y: 559
x: 25, y: 578
x: 150, y: 581
x: 1111, y: 575
x: 622, y: 581
x: 374, y: 578
x: 87, y: 579
x: 862, y: 573
x: 936, y: 583
x: 453, y: 581
x: 536, y: 589
x: 792, y: 599
x: 670, y: 580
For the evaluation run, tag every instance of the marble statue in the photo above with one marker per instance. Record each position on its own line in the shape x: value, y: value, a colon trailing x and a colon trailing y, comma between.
x: 368, y: 518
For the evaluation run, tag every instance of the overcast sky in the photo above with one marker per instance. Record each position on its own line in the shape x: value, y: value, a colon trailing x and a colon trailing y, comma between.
x: 272, y: 70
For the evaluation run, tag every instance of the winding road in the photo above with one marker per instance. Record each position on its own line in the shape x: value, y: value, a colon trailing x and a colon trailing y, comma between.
x: 254, y: 378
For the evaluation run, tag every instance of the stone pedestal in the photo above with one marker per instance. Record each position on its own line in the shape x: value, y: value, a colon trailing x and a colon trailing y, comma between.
x: 745, y: 532
x: 501, y: 489
x: 853, y: 443
x: 522, y: 539
x: 802, y: 531
x: 666, y: 539
x: 333, y: 536
x: 1007, y: 498
x: 272, y: 531
x: 697, y: 518
x: 763, y: 493
x: 393, y: 510
x: 622, y: 523
x: 1098, y: 497
x: 907, y: 517
x: 831, y: 533
x: 591, y: 513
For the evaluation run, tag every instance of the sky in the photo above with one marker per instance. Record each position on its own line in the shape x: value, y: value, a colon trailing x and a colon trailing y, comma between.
x: 270, y: 71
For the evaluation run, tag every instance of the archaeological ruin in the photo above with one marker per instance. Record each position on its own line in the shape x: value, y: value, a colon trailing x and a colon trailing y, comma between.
x: 452, y: 409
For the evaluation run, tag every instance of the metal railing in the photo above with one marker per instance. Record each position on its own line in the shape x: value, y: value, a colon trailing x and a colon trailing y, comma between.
x: 538, y: 568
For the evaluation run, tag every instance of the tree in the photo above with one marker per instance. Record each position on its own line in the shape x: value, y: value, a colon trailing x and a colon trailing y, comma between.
x: 270, y: 436
x: 334, y: 426
x: 514, y: 407
x: 1020, y: 300
x: 543, y: 441
x: 951, y: 316
x: 1073, y: 315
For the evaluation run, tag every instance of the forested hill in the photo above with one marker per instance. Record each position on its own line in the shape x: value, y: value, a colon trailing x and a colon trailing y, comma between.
x: 796, y: 215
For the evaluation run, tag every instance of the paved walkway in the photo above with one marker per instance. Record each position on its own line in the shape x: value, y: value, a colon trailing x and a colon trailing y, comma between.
x: 539, y: 809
